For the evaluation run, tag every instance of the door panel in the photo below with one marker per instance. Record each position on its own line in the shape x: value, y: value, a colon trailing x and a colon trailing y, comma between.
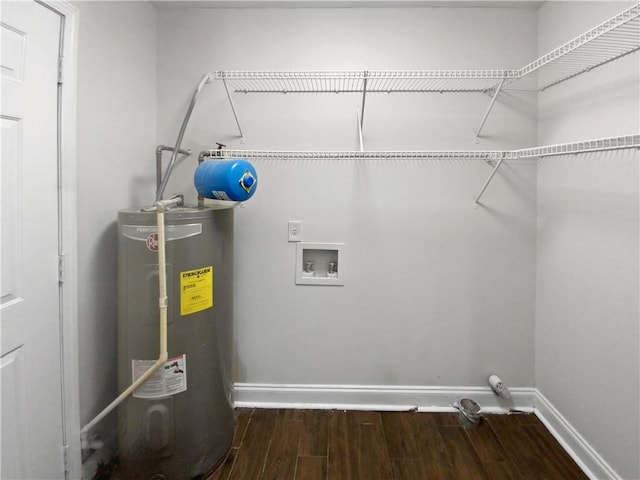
x: 13, y: 52
x: 29, y: 305
x: 11, y: 231
x: 14, y: 459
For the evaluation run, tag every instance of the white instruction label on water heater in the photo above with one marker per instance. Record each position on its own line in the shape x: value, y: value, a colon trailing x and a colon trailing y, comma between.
x: 169, y: 379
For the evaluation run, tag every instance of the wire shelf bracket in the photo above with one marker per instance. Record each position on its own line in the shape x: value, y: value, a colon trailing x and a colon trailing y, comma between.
x: 486, y: 184
x: 360, y: 138
x: 486, y: 115
x: 233, y: 107
x: 364, y: 97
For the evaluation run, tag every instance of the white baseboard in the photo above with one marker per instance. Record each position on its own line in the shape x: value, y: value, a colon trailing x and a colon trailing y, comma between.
x: 376, y: 397
x: 593, y: 465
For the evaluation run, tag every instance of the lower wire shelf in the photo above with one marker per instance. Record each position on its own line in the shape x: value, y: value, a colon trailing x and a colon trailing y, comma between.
x: 495, y: 156
x: 584, y: 146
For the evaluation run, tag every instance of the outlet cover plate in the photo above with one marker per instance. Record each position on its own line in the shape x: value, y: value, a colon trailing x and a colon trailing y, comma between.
x: 295, y: 230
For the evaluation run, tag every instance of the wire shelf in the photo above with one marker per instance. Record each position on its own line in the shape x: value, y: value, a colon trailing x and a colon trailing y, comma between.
x: 368, y: 155
x: 597, y: 145
x: 611, y: 40
x: 496, y: 157
x: 617, y: 37
x: 375, y: 81
x: 585, y: 146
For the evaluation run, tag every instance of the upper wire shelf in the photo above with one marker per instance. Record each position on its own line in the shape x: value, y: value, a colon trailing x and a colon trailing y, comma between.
x: 613, y: 39
x: 369, y: 81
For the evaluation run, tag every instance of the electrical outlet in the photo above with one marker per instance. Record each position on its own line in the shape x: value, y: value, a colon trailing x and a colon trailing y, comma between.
x: 295, y: 231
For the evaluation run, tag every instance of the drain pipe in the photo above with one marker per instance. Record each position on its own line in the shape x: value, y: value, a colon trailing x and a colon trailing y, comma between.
x: 160, y: 206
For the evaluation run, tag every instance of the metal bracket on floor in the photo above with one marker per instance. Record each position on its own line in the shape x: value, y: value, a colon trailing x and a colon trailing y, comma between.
x: 233, y: 108
x: 486, y: 115
x: 486, y: 184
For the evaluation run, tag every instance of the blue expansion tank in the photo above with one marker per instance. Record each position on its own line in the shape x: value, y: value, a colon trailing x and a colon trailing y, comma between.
x: 234, y: 180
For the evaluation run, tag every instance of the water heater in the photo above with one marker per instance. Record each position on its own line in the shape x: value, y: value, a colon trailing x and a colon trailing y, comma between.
x: 179, y: 424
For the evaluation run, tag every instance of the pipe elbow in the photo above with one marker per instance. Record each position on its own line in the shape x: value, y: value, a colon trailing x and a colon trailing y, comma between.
x: 164, y: 205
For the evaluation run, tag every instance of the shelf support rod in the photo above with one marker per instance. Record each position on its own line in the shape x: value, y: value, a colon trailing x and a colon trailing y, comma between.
x: 486, y: 184
x: 364, y: 96
x: 360, y: 129
x: 486, y: 115
x: 233, y: 108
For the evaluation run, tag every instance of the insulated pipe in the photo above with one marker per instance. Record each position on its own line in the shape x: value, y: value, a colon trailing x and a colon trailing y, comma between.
x: 163, y: 301
x: 208, y: 78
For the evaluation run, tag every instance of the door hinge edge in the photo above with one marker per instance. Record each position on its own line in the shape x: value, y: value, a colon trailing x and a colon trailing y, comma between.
x: 61, y: 268
x: 65, y: 457
x: 60, y: 68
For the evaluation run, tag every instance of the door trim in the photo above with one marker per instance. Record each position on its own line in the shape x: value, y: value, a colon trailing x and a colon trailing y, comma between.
x: 68, y: 236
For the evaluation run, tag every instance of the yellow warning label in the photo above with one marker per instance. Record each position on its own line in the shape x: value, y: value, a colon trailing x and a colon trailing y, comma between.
x: 196, y: 290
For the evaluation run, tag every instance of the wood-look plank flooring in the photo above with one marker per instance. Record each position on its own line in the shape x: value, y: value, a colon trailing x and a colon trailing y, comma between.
x: 355, y: 445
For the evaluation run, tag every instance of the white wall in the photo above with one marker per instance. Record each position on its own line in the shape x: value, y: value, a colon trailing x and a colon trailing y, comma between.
x: 116, y: 169
x: 439, y: 292
x: 587, y: 309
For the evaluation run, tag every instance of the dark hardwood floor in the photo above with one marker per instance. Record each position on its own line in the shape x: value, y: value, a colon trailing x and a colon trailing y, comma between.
x: 355, y: 445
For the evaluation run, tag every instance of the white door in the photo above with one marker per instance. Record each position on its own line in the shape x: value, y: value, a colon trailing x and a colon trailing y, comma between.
x: 30, y: 372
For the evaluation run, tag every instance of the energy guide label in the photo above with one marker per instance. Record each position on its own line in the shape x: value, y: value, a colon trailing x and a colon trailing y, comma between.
x: 168, y: 379
x: 196, y: 290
